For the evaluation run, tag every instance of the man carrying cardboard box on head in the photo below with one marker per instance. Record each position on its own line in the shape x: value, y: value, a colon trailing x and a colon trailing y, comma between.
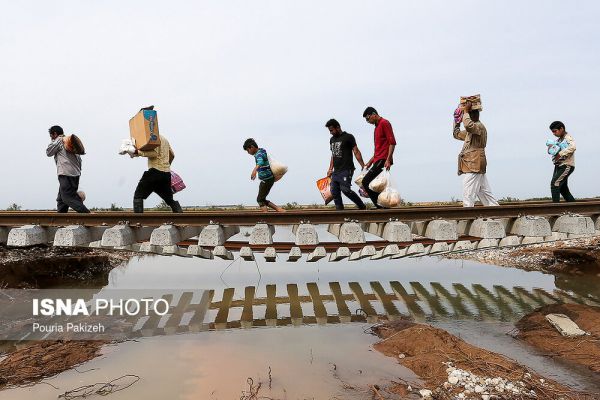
x: 472, y: 163
x: 144, y: 132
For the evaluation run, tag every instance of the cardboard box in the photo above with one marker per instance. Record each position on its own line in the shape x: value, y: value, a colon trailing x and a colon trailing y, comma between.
x: 475, y: 100
x: 143, y: 128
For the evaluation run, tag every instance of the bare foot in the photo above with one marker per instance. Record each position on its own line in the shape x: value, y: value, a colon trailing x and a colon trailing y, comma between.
x: 279, y: 209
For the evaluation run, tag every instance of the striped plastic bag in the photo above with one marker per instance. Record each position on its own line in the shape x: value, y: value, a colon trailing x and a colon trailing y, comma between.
x: 177, y: 184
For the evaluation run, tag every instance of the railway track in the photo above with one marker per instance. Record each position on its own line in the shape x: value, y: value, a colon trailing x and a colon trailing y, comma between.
x: 296, y: 216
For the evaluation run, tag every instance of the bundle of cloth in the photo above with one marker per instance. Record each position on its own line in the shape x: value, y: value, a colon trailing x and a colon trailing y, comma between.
x: 127, y: 147
x: 74, y: 145
x: 554, y: 146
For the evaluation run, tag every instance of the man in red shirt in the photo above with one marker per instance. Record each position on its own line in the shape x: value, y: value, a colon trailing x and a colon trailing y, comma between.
x: 385, y: 142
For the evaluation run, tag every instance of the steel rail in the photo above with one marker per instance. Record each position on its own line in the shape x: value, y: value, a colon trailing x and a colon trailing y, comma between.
x: 251, y: 217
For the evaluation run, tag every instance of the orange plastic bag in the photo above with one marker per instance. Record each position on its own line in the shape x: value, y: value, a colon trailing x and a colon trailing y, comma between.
x: 323, y: 186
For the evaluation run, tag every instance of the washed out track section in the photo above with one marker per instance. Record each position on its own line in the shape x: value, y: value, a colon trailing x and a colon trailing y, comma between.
x: 337, y: 302
x: 358, y: 234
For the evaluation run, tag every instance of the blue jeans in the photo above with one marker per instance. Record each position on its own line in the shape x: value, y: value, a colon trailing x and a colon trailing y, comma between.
x: 340, y: 183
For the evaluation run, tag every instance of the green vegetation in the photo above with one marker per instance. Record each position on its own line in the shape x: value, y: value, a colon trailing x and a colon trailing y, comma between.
x: 113, y: 207
x: 14, y: 207
x: 162, y: 206
x: 291, y: 206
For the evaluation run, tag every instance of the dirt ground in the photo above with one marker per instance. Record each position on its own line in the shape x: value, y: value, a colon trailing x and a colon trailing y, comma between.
x: 584, y: 350
x: 42, y: 266
x: 427, y: 351
x: 577, y: 256
x: 40, y: 360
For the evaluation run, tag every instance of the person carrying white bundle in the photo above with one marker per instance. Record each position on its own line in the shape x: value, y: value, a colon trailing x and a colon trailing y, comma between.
x: 263, y: 170
x: 383, y: 157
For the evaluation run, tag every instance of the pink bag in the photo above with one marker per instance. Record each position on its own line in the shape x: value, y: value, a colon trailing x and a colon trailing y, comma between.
x: 458, y: 115
x: 177, y: 184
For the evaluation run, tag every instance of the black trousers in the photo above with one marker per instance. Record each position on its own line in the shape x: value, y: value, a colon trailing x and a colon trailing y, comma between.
x: 263, y: 191
x: 155, y: 181
x: 67, y: 195
x: 375, y: 170
x: 340, y: 183
x: 559, y: 183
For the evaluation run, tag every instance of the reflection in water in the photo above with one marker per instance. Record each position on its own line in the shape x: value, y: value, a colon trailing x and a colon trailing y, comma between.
x: 356, y: 304
x: 587, y: 285
x: 316, y: 299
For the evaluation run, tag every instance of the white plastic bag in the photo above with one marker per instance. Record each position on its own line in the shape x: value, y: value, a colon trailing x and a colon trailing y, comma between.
x: 380, y: 182
x: 278, y: 169
x: 389, y: 197
x: 127, y: 147
x: 360, y: 177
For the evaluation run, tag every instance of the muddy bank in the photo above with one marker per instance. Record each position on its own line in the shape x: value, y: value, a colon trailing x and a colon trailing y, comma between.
x: 574, y: 256
x: 43, y: 266
x: 585, y: 350
x: 451, y: 368
x: 39, y: 360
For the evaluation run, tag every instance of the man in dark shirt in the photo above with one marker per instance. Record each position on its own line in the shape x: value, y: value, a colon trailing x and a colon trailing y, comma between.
x: 385, y: 143
x: 341, y: 167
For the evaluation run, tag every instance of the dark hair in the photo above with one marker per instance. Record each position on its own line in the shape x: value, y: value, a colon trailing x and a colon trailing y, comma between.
x: 332, y: 123
x: 249, y: 143
x: 369, y: 110
x: 56, y: 129
x: 557, y: 125
x: 474, y: 114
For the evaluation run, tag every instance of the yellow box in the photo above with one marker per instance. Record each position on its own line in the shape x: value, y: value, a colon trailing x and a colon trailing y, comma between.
x: 143, y: 128
x: 475, y: 101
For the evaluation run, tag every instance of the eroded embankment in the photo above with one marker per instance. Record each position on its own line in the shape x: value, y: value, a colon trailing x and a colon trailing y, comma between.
x: 452, y: 368
x: 40, y: 267
x: 583, y: 350
x: 43, y: 266
x: 577, y: 256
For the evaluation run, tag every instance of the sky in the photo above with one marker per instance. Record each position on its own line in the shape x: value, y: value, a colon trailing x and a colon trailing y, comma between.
x: 276, y: 71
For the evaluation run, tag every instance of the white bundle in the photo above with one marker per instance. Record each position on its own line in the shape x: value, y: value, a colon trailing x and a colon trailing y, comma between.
x: 278, y: 169
x: 380, y: 182
x: 390, y: 197
x: 127, y: 147
x: 360, y: 178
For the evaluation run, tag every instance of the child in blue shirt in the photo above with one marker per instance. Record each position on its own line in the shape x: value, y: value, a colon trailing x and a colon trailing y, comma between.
x: 263, y: 170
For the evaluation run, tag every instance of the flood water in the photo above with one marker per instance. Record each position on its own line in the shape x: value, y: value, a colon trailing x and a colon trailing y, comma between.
x: 306, y: 322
